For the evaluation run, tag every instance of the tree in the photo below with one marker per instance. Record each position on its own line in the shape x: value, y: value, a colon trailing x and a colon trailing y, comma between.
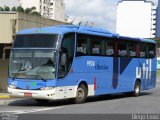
x: 14, y: 9
x: 6, y: 8
x: 20, y: 9
x: 1, y: 9
x: 36, y: 14
x: 29, y: 10
x: 32, y: 11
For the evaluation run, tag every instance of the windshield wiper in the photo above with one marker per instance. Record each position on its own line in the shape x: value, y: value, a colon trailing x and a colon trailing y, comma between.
x: 39, y: 77
x: 16, y: 74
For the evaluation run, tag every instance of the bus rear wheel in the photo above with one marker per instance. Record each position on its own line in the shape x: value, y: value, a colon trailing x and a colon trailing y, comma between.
x: 41, y: 101
x: 137, y: 89
x: 81, y: 94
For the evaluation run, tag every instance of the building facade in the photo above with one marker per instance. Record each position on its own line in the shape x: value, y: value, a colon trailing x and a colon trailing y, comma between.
x: 57, y: 10
x: 52, y: 9
x: 158, y: 21
x: 136, y: 18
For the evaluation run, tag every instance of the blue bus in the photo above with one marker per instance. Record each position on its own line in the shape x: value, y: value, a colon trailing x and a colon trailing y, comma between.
x: 74, y: 62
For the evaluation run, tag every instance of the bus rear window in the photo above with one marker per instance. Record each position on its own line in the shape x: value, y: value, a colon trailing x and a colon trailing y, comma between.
x: 36, y: 41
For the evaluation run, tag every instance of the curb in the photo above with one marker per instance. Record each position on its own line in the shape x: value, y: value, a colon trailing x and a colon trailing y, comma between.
x: 4, y: 96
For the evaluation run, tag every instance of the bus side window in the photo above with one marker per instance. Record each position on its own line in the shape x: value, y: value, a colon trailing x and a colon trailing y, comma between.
x: 143, y: 50
x: 122, y: 49
x: 132, y: 50
x: 81, y: 48
x: 96, y: 45
x: 151, y: 51
x: 109, y: 48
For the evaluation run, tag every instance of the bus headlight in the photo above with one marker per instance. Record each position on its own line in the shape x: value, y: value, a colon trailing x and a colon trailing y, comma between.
x: 47, y: 88
x: 12, y: 86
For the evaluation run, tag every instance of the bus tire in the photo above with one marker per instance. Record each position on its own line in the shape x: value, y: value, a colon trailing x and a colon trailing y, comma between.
x: 81, y: 94
x: 137, y: 89
x: 41, y: 101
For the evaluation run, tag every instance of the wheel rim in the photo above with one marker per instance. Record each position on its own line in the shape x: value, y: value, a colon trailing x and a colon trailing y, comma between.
x: 80, y: 94
x: 137, y: 89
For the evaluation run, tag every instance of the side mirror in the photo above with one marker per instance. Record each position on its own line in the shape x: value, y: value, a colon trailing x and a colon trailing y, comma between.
x: 63, y: 60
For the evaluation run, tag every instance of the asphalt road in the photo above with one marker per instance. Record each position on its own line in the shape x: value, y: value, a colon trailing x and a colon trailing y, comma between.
x: 147, y: 103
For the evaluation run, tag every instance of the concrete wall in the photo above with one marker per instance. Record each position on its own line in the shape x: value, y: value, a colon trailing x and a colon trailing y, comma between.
x: 6, y: 27
x: 30, y: 21
x: 3, y: 75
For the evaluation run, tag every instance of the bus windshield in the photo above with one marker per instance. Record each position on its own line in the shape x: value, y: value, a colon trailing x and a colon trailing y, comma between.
x: 33, y: 64
x: 37, y: 41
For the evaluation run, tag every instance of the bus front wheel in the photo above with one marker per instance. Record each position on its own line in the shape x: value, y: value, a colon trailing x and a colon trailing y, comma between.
x: 81, y: 94
x: 137, y: 89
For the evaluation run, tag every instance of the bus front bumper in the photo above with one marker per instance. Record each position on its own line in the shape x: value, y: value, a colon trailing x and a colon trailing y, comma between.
x: 36, y: 94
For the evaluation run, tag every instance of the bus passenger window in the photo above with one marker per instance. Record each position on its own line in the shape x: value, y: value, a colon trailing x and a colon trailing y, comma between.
x: 95, y: 51
x: 96, y: 46
x: 132, y: 49
x: 81, y: 48
x: 122, y: 49
x: 151, y: 51
x: 81, y: 45
x: 109, y: 48
x: 143, y: 50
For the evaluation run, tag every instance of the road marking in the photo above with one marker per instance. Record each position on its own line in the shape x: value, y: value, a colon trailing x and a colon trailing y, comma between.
x: 29, y: 111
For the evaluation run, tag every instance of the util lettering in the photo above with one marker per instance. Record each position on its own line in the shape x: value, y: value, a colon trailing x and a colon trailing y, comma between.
x: 144, y: 72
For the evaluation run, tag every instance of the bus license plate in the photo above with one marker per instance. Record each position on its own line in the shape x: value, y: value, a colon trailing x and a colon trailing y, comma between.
x: 28, y: 94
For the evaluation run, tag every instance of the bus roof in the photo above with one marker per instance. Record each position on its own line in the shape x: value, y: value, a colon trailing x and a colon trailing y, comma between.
x: 138, y: 39
x: 62, y: 29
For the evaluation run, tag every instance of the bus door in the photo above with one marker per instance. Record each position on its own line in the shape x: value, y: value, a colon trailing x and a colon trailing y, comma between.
x: 123, y: 63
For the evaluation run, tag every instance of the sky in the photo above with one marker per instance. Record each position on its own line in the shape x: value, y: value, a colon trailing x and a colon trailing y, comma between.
x: 99, y: 13
x: 9, y: 3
